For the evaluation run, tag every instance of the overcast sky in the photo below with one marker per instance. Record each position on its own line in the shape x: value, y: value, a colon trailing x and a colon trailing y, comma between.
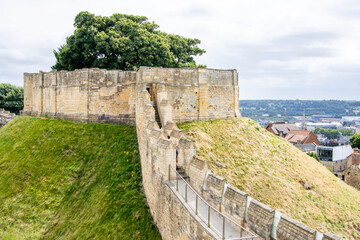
x: 282, y: 49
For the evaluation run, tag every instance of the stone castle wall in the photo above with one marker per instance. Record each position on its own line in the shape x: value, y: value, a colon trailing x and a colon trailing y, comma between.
x: 260, y: 219
x: 194, y: 93
x: 86, y: 95
x: 158, y: 164
x: 159, y: 161
x: 352, y: 176
x: 98, y: 95
x: 94, y: 95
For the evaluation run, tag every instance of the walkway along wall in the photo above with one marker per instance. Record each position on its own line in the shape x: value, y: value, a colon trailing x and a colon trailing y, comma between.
x: 158, y: 164
x: 163, y: 149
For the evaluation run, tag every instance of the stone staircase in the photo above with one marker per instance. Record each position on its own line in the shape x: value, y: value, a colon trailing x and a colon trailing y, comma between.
x: 157, y: 116
x: 182, y: 173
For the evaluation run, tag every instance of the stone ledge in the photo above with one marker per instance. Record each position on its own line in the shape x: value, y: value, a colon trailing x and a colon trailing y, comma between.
x: 331, y: 236
x: 231, y: 191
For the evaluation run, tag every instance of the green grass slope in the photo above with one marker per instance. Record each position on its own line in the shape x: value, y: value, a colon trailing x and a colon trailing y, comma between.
x: 276, y: 173
x: 64, y: 180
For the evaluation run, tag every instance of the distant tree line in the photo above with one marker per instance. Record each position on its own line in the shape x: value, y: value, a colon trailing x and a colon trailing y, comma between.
x: 11, y: 97
x: 333, y: 133
x: 337, y: 108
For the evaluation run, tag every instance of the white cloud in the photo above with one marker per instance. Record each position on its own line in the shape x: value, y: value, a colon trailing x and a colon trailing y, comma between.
x: 281, y: 48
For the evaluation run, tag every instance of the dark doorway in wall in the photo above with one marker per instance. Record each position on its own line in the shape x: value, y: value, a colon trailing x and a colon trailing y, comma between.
x: 152, y: 90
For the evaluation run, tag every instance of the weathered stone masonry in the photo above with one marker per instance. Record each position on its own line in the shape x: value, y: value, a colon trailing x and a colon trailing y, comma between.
x: 95, y: 95
x: 98, y: 95
x: 176, y: 95
x: 158, y: 155
x: 5, y: 116
x: 87, y: 95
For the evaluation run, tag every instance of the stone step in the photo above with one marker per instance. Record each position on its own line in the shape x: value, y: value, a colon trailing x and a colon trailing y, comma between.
x: 182, y: 173
x: 180, y: 170
x: 157, y: 116
x: 186, y: 178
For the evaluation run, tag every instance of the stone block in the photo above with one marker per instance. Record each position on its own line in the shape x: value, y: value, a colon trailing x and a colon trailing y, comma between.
x: 151, y: 124
x: 156, y: 133
x: 260, y: 219
x: 197, y: 172
x: 235, y: 204
x: 165, y: 143
x: 213, y: 189
x: 290, y: 229
x: 176, y: 133
x: 186, y: 143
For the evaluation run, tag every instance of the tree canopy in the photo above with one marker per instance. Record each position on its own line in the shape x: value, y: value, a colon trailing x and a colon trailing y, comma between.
x: 355, y: 140
x: 123, y: 42
x: 11, y: 97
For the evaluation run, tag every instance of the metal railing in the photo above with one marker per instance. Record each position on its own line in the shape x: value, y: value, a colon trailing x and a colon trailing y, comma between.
x: 223, y: 226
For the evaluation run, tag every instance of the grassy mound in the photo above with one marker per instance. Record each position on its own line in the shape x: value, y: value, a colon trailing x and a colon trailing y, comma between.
x: 64, y: 180
x: 276, y: 173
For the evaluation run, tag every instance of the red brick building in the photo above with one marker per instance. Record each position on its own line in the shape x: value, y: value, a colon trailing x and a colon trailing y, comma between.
x: 302, y: 137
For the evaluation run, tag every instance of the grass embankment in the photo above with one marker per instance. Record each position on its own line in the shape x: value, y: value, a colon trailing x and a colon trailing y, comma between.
x: 64, y: 180
x: 276, y: 173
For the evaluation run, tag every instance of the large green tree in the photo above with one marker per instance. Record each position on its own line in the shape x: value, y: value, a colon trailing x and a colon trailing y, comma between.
x: 355, y: 140
x: 123, y: 42
x: 11, y: 97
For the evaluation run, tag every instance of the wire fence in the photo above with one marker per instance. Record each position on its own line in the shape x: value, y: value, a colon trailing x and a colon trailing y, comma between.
x: 223, y: 226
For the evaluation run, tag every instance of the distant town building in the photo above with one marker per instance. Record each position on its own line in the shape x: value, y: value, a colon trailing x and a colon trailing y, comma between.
x: 280, y: 128
x: 309, y: 147
x: 302, y: 137
x: 344, y: 139
x: 313, y: 125
x: 334, y: 158
x: 351, y: 119
x: 322, y: 139
x: 319, y: 117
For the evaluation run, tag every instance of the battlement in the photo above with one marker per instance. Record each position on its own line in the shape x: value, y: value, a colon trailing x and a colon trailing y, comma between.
x: 99, y: 95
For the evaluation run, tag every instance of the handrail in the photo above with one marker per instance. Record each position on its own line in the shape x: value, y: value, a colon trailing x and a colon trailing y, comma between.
x: 253, y: 236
